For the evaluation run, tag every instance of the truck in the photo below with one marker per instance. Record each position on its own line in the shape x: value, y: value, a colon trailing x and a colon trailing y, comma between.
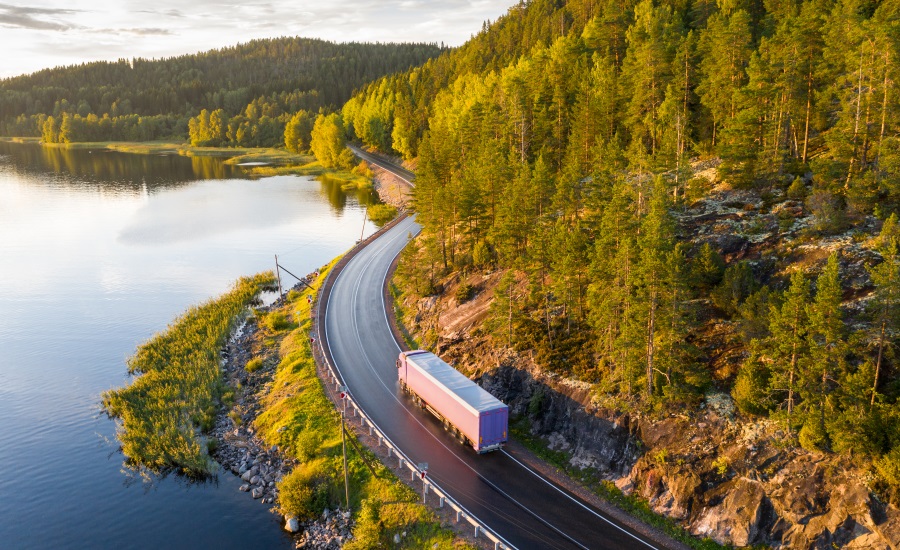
x: 465, y: 409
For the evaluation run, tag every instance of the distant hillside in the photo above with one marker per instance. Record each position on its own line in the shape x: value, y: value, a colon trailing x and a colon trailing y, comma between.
x: 282, y: 75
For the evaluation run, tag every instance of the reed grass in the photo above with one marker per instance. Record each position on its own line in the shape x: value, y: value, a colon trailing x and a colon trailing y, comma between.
x: 178, y: 388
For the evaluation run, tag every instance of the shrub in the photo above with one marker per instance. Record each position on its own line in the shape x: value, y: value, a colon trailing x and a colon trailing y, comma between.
x: 797, y: 190
x: 827, y: 210
x: 277, y: 320
x: 464, y: 292
x: 721, y: 464
x: 750, y: 388
x: 362, y: 169
x: 737, y: 284
x: 381, y: 214
x: 254, y: 364
x: 708, y: 267
x: 304, y: 491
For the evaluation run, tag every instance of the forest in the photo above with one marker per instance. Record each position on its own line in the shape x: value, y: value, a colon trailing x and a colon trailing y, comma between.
x: 558, y: 146
x: 260, y: 84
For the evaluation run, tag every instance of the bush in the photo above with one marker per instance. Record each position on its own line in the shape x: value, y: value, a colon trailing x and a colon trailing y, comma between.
x: 381, y: 214
x: 276, y: 321
x: 813, y: 436
x: 750, y: 389
x: 737, y: 284
x: 304, y: 491
x: 464, y: 292
x: 362, y: 169
x: 254, y: 364
x: 827, y: 210
x: 708, y: 267
x: 721, y: 464
x: 797, y: 190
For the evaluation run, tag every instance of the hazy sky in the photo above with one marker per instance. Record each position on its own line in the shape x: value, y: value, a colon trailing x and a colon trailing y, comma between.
x: 47, y: 33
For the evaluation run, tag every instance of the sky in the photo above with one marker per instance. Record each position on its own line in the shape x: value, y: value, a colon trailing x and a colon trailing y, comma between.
x: 47, y: 33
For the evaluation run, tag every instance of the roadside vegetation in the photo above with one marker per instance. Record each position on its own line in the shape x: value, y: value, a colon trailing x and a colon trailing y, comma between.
x: 179, y: 388
x: 298, y: 417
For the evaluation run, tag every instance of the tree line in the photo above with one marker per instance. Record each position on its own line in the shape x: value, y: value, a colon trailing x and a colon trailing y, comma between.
x: 288, y: 74
x: 557, y: 143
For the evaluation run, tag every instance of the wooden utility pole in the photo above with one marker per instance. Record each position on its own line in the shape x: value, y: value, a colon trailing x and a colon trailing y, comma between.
x: 278, y: 275
x: 346, y: 478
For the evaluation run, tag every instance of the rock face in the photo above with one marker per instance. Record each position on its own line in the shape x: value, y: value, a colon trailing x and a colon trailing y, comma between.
x: 736, y: 514
x: 723, y: 477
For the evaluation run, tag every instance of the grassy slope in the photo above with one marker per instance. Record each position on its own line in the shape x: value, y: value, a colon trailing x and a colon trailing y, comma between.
x: 298, y: 417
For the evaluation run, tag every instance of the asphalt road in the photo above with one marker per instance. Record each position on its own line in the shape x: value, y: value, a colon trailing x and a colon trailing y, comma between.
x: 398, y: 170
x: 523, y: 508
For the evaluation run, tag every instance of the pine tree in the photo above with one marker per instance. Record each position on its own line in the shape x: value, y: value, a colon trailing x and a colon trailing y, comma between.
x: 825, y: 364
x: 787, y: 345
x: 655, y: 243
x: 885, y: 304
x: 726, y: 48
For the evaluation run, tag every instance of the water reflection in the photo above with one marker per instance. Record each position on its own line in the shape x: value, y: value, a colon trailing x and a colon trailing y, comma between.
x: 338, y: 196
x: 123, y: 171
x: 128, y: 174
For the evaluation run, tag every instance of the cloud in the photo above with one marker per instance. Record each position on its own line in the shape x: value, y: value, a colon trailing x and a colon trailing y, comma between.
x: 41, y: 19
x: 139, y: 31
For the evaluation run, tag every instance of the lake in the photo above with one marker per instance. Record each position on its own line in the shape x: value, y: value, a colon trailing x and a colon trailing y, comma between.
x: 98, y: 251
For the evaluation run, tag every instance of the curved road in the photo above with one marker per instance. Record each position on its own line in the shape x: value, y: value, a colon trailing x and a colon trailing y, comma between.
x: 522, y: 507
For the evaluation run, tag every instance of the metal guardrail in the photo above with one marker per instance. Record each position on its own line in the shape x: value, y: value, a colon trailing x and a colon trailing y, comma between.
x: 403, y: 461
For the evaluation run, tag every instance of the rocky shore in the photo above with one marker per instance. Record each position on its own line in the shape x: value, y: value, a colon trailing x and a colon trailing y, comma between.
x: 243, y: 453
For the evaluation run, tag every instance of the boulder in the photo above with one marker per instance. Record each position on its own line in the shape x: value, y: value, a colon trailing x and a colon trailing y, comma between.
x: 291, y: 524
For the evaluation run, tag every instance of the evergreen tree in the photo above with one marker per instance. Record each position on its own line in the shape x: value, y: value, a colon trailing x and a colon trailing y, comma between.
x: 787, y: 346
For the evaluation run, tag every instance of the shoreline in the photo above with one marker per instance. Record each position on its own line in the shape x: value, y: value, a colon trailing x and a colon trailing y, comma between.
x: 257, y: 162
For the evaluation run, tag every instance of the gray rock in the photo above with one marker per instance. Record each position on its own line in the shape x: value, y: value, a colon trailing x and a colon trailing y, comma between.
x: 257, y: 492
x: 291, y: 524
x: 254, y: 480
x: 245, y: 487
x: 247, y: 475
x: 396, y: 538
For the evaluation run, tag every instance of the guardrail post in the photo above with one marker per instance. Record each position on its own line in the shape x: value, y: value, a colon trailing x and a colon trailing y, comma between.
x: 458, y: 514
x: 497, y: 545
x: 441, y: 505
x: 477, y: 531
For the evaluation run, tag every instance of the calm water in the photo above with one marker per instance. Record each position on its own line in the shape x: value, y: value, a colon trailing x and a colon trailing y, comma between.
x: 98, y: 251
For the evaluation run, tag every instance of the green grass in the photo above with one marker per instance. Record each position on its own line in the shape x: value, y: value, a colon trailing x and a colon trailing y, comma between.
x: 381, y: 214
x: 298, y: 417
x: 632, y: 504
x: 179, y: 386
